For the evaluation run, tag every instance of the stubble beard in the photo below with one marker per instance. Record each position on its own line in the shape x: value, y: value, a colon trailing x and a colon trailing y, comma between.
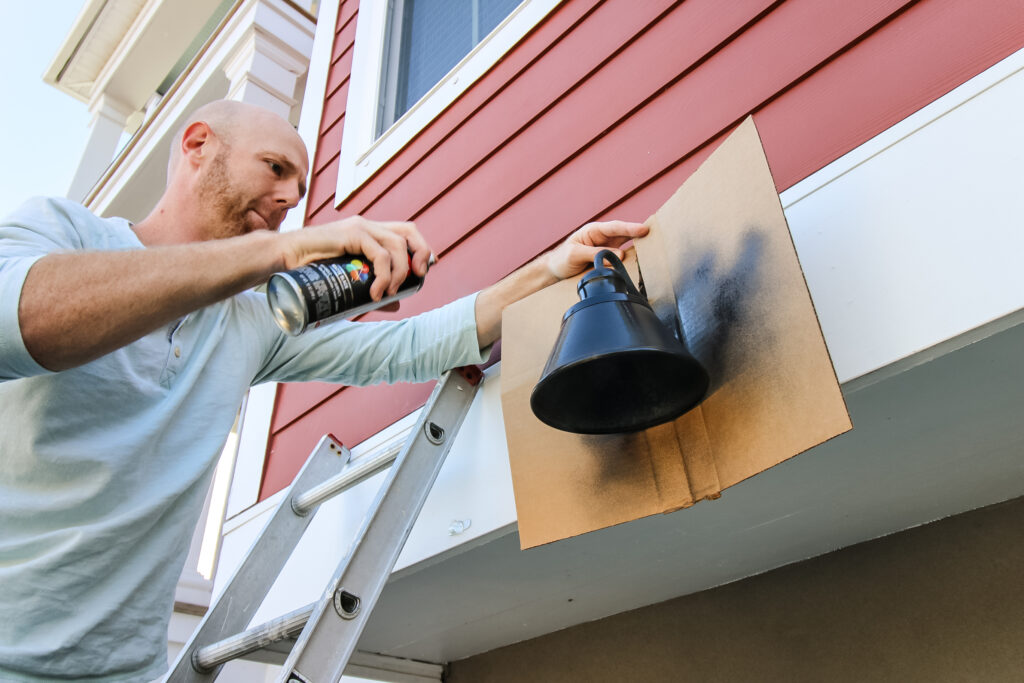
x: 223, y: 202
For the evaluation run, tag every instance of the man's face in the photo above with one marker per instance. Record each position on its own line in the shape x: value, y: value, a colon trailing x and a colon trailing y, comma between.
x: 251, y: 183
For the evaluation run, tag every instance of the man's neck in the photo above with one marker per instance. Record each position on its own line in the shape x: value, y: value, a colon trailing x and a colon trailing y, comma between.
x: 166, y: 226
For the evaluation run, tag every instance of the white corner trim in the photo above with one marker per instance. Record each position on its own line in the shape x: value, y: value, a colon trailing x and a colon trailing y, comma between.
x: 362, y: 155
x: 313, y: 98
x: 253, y: 435
x: 259, y: 407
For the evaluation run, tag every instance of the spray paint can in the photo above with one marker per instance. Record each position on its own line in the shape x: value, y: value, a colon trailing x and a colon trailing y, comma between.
x: 324, y: 291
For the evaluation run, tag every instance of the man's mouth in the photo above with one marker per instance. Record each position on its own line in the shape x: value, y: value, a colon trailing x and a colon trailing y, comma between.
x: 264, y: 224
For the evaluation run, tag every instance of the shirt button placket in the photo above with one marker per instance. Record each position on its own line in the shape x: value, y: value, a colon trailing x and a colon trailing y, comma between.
x: 174, y: 359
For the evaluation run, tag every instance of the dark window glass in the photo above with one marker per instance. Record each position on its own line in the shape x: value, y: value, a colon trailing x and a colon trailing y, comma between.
x: 426, y: 39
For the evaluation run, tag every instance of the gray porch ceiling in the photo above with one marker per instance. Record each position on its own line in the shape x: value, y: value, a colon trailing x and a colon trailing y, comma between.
x: 934, y: 436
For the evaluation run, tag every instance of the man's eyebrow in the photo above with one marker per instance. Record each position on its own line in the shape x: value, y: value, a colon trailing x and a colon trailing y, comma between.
x: 281, y: 159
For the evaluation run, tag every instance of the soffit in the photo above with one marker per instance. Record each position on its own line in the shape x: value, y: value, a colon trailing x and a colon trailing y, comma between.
x: 125, y: 48
x: 95, y: 35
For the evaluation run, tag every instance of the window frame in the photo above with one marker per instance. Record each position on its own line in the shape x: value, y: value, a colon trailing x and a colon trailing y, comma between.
x: 362, y: 153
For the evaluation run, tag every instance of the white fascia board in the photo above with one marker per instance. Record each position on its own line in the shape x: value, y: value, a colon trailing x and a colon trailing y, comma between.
x: 68, y: 52
x: 362, y: 153
x: 914, y: 237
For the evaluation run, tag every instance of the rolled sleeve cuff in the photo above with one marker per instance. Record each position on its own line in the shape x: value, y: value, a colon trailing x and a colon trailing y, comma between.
x: 15, y: 360
x: 464, y: 311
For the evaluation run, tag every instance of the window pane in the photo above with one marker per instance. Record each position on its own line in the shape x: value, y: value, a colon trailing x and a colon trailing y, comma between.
x: 426, y: 39
x: 493, y: 12
x: 436, y: 35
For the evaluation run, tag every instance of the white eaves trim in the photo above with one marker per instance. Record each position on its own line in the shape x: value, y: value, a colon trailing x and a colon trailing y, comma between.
x: 361, y: 154
x: 910, y: 243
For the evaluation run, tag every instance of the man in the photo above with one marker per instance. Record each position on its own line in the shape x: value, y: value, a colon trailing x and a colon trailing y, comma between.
x: 125, y: 351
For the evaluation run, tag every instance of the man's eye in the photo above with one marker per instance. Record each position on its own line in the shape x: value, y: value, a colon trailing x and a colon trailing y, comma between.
x: 276, y: 168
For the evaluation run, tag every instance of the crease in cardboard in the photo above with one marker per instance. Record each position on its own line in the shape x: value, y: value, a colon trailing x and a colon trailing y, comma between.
x: 698, y: 456
x: 670, y: 476
x: 719, y: 261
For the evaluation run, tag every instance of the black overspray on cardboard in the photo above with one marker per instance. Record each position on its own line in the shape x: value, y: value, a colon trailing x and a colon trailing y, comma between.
x: 719, y: 262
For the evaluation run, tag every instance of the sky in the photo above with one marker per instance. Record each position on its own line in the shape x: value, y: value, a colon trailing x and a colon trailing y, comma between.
x: 42, y: 130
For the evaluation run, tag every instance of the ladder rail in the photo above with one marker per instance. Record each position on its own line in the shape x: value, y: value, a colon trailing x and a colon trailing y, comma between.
x: 329, y: 638
x: 252, y: 579
x: 290, y: 625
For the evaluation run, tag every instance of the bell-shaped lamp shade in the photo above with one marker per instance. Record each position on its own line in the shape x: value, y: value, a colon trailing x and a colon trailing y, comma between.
x: 615, y: 367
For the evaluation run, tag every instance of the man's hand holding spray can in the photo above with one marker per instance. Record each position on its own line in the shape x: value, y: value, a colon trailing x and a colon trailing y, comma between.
x: 329, y: 290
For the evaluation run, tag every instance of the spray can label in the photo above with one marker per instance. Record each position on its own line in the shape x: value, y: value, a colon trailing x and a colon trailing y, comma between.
x: 328, y: 290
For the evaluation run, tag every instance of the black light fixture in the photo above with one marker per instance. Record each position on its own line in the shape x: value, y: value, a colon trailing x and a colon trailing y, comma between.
x: 615, y: 367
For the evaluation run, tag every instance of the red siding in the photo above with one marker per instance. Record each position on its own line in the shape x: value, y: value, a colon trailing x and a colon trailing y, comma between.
x: 603, y: 110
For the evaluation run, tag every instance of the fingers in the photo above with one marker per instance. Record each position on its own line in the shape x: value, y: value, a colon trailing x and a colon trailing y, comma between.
x: 610, y: 233
x: 392, y: 246
x: 577, y: 253
x: 381, y: 259
x: 420, y: 250
x: 394, y: 238
x: 389, y: 245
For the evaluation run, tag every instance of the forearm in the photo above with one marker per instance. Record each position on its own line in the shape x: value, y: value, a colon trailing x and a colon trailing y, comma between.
x: 532, y: 277
x: 78, y: 306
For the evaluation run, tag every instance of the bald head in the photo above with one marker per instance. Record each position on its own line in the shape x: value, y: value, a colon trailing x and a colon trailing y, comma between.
x: 234, y: 168
x: 232, y: 122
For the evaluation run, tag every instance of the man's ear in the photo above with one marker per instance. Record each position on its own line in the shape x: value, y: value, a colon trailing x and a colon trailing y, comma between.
x: 196, y: 143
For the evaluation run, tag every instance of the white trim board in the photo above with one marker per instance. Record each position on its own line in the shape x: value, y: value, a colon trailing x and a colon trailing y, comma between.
x: 914, y: 237
x: 259, y: 408
x: 362, y: 154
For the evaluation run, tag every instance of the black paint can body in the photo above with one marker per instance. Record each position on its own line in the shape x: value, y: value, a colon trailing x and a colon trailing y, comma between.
x: 329, y: 290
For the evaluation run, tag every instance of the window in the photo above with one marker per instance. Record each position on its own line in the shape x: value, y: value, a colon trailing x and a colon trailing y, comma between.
x: 413, y: 58
x: 425, y: 40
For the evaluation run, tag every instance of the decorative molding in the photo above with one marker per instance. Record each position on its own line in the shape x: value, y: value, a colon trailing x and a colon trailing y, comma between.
x: 273, y: 18
x: 262, y: 73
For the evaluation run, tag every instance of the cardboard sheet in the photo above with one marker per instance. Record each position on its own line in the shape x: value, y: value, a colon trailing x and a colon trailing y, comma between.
x: 720, y: 260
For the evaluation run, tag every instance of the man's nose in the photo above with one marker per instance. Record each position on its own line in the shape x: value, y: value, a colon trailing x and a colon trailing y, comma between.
x: 289, y: 194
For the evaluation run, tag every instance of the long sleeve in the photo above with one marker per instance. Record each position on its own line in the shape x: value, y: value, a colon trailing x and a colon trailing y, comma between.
x: 416, y: 349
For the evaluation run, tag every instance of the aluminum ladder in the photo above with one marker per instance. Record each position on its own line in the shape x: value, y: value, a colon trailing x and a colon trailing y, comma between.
x: 328, y: 630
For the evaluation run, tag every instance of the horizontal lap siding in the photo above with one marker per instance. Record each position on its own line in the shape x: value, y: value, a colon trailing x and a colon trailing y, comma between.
x: 603, y: 111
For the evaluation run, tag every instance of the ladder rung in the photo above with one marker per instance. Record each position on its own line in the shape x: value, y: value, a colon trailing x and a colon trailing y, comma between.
x: 291, y: 624
x: 285, y: 628
x: 257, y: 638
x: 303, y: 503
